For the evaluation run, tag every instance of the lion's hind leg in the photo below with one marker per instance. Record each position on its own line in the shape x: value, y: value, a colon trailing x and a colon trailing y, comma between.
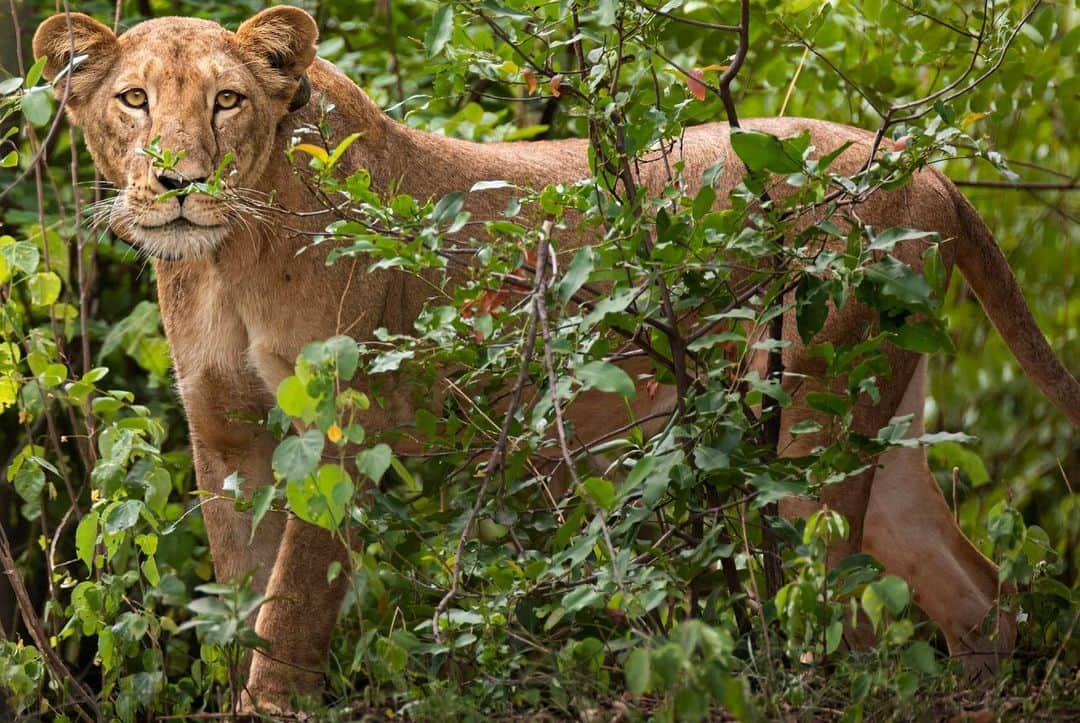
x: 911, y: 530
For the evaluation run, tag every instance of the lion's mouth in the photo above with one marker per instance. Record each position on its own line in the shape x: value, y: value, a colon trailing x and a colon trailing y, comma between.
x: 180, y: 238
x: 181, y: 224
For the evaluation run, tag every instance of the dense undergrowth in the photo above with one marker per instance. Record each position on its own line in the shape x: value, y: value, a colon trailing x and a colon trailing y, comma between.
x: 644, y: 590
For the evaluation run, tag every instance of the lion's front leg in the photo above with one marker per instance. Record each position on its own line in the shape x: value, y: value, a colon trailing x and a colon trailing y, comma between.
x: 226, y: 439
x: 298, y: 617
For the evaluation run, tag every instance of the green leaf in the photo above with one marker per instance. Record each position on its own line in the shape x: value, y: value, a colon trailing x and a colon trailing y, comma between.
x: 606, y: 377
x: 893, y: 592
x: 150, y: 571
x: 691, y: 705
x: 260, y: 504
x: 581, y: 597
x: 86, y: 539
x: 812, y: 306
x: 602, y: 491
x: 440, y: 30
x: 710, y: 459
x: 872, y: 605
x: 297, y: 457
x: 9, y: 392
x: 925, y: 337
x: 887, y: 239
x: 338, y: 352
x: 294, y: 400
x: 895, y: 430
x: 577, y: 273
x: 21, y: 255
x: 771, y: 489
x: 953, y: 454
x: 833, y: 635
x: 490, y: 185
x: 122, y: 515
x: 828, y: 403
x: 638, y: 671
x: 34, y: 74
x: 37, y: 106
x: 158, y: 487
x: 901, y: 284
x: 339, y: 151
x: 10, y: 160
x: 390, y: 361
x: 764, y: 152
x: 44, y: 288
x: 10, y: 85
x: 605, y: 12
x: 29, y: 481
x: 374, y: 462
x: 450, y: 205
x: 920, y: 656
x: 703, y: 201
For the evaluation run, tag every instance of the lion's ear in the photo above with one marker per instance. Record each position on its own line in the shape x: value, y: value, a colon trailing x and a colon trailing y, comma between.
x: 59, y: 35
x: 284, y: 37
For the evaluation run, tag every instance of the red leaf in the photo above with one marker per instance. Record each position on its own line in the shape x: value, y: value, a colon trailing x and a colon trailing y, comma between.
x: 530, y: 81
x: 695, y: 81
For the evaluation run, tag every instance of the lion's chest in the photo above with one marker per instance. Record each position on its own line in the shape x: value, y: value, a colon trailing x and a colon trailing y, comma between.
x: 251, y: 324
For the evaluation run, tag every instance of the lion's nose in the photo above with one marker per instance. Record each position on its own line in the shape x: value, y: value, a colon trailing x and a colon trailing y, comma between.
x: 173, y: 181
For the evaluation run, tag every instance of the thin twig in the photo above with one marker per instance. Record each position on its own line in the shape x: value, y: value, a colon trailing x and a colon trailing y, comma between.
x: 690, y: 21
x: 560, y: 425
x: 1019, y: 185
x: 498, y: 455
x: 59, y: 671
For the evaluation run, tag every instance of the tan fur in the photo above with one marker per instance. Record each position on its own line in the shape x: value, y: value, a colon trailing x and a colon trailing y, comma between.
x: 238, y: 303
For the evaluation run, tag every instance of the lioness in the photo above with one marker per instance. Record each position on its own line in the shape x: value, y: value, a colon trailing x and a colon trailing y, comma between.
x: 237, y: 301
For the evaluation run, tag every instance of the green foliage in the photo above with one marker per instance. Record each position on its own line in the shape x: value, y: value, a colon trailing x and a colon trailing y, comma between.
x: 643, y: 586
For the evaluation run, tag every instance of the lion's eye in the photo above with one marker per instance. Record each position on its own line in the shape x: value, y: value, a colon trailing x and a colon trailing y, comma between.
x: 133, y: 98
x: 227, y: 100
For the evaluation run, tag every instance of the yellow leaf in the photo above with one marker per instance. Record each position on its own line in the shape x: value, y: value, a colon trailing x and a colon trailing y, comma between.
x: 312, y: 150
x: 971, y: 118
x: 714, y: 67
x: 334, y: 433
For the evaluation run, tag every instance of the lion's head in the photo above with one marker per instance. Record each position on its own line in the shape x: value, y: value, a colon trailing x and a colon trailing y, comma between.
x: 180, y: 84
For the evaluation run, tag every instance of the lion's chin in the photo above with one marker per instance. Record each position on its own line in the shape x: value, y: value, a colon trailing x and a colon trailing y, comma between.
x: 177, y: 240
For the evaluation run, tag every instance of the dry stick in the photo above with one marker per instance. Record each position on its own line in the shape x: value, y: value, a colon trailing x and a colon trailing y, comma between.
x: 626, y: 176
x: 955, y: 484
x: 937, y: 21
x: 86, y: 448
x: 498, y: 455
x: 560, y: 426
x: 1053, y: 662
x: 794, y: 80
x: 770, y: 408
x: 395, y: 61
x: 33, y: 624
x: 757, y: 595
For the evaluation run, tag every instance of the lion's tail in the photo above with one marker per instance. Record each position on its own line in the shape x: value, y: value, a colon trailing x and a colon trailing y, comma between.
x: 989, y: 275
